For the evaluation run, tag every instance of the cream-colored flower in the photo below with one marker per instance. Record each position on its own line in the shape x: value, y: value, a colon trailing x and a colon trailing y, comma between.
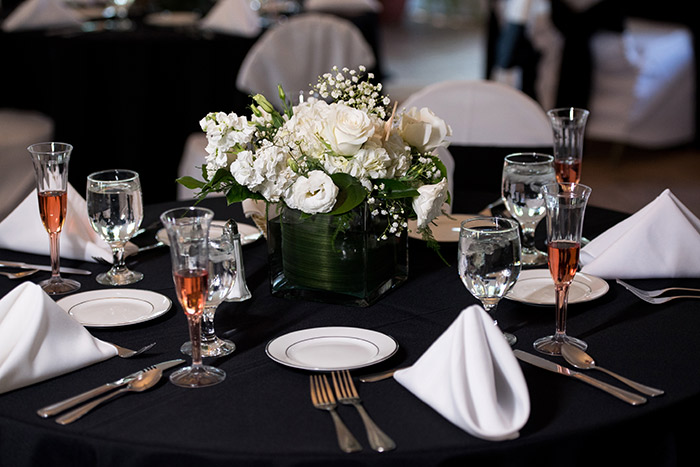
x: 313, y: 194
x: 428, y: 204
x: 347, y: 129
x: 423, y: 129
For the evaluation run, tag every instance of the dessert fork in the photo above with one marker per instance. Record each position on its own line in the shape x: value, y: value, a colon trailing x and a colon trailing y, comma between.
x: 323, y: 399
x: 347, y: 394
x: 652, y: 296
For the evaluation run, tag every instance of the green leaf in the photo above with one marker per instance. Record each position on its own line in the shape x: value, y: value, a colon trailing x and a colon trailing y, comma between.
x: 351, y: 193
x: 395, y: 189
x: 190, y: 182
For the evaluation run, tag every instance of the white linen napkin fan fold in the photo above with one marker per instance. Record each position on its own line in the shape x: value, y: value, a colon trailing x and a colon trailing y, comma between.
x: 39, y: 340
x: 22, y: 230
x: 234, y: 17
x: 661, y: 240
x: 470, y: 376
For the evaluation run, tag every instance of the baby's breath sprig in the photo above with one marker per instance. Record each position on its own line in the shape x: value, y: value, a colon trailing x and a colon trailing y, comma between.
x: 353, y: 88
x: 424, y: 168
x: 393, y: 210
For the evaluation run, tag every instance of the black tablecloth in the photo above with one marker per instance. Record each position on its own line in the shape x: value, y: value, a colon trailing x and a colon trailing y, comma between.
x: 262, y: 415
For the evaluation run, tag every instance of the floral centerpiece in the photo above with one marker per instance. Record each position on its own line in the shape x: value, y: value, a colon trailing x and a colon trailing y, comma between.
x: 341, y: 172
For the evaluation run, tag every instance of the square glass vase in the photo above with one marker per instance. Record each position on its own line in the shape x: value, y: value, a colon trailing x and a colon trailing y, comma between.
x: 334, y: 259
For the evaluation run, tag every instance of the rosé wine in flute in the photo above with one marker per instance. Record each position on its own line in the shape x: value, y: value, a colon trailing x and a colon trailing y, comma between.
x: 188, y: 232
x: 50, y: 161
x: 563, y: 260
x: 191, y: 287
x: 566, y: 205
x: 568, y: 171
x: 52, y: 209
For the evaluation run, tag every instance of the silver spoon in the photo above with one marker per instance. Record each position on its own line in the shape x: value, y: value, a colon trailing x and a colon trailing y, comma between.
x: 583, y: 361
x: 20, y: 274
x: 145, y: 381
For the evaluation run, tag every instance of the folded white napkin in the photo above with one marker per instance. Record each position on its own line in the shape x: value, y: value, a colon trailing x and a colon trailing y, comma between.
x: 661, y: 240
x: 234, y: 17
x: 470, y: 376
x: 22, y: 230
x: 41, y: 14
x: 345, y: 6
x: 39, y: 340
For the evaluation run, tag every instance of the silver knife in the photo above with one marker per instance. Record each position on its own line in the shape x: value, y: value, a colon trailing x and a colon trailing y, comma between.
x: 58, y: 407
x: 626, y: 396
x: 382, y: 375
x: 42, y: 267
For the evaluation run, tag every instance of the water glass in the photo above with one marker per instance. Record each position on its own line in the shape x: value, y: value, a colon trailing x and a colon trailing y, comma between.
x: 115, y: 210
x: 489, y: 260
x: 524, y: 174
x: 222, y: 276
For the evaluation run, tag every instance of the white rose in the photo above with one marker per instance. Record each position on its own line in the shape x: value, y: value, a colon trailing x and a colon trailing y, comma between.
x: 313, y: 194
x: 423, y: 129
x: 347, y: 129
x: 428, y: 204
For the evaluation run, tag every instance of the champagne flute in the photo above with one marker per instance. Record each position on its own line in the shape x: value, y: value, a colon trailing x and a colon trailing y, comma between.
x: 489, y: 260
x: 222, y: 275
x: 568, y: 125
x: 188, y: 232
x: 566, y: 205
x: 523, y: 176
x: 115, y: 210
x: 50, y: 162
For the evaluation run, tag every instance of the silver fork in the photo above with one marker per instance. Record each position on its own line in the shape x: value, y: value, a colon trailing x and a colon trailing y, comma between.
x: 20, y: 274
x: 652, y: 296
x: 347, y: 394
x: 128, y: 353
x: 322, y: 398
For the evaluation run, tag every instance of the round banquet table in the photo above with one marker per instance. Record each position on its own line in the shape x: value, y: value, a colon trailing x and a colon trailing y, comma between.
x: 261, y: 415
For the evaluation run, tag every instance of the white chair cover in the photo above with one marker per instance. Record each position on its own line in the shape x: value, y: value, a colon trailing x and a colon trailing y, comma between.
x: 294, y: 53
x: 344, y: 6
x: 485, y: 113
x: 18, y: 130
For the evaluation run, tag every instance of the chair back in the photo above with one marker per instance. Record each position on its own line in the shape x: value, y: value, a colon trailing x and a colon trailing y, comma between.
x: 294, y: 53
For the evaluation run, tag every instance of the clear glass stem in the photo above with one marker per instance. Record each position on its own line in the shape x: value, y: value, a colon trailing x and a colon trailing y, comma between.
x: 118, y: 262
x: 55, y: 254
x: 195, y: 326
x: 528, y: 237
x: 561, y: 300
x: 208, y: 333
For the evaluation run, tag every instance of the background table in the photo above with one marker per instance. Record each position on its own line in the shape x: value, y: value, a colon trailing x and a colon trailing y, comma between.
x: 262, y: 414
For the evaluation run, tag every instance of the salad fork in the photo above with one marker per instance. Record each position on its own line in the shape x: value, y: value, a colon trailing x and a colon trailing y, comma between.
x: 347, y: 394
x: 323, y: 399
x: 652, y: 296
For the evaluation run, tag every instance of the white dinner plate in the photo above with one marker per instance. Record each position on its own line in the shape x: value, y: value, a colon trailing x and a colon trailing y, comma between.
x: 536, y: 287
x: 249, y: 233
x: 446, y: 230
x: 331, y: 348
x: 172, y: 19
x: 115, y: 307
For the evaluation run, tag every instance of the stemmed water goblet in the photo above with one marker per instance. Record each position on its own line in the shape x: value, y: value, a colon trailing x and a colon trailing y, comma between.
x: 568, y: 125
x: 222, y: 275
x: 523, y: 176
x: 115, y: 210
x: 489, y: 260
x: 566, y: 205
x: 188, y: 233
x: 50, y: 162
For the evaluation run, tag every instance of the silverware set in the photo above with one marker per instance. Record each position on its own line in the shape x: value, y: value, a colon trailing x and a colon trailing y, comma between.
x: 581, y: 360
x: 653, y: 296
x: 345, y: 392
x: 135, y: 382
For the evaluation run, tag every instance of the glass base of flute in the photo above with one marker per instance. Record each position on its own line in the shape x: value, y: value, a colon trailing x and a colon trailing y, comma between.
x: 211, y: 345
x: 197, y: 375
x: 59, y: 285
